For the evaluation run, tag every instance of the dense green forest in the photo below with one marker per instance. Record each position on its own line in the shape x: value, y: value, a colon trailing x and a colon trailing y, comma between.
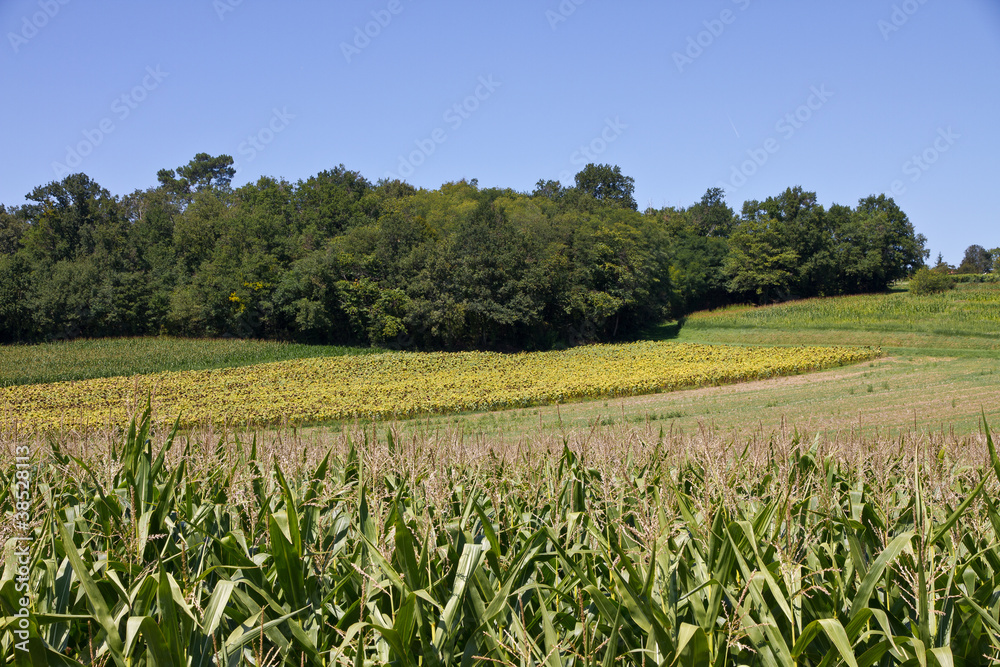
x: 338, y: 259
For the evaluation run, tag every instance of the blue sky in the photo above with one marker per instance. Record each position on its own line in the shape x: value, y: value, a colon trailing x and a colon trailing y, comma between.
x: 845, y: 98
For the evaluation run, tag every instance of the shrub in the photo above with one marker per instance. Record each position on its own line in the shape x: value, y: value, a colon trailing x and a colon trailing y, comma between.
x: 974, y: 278
x: 925, y: 281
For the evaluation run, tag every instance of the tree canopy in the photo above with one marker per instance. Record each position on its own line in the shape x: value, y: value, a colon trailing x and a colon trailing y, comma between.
x: 201, y: 173
x: 335, y: 258
x: 606, y: 183
x: 977, y: 259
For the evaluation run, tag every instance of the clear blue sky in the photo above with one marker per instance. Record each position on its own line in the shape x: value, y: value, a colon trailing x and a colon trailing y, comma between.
x: 838, y: 97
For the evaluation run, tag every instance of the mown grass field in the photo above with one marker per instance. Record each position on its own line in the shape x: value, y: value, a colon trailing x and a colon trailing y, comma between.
x: 893, y: 395
x: 942, y: 365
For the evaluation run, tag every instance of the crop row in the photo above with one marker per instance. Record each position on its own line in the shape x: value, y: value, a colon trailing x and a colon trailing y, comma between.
x: 393, y: 385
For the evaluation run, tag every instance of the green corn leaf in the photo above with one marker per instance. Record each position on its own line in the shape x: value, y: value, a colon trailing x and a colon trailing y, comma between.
x: 291, y: 512
x: 871, y: 580
x: 405, y: 621
x: 957, y: 514
x: 941, y: 656
x: 212, y: 619
x: 488, y: 530
x: 834, y: 631
x: 994, y: 458
x: 170, y: 623
x: 93, y: 593
x: 165, y: 503
x: 874, y: 654
x: 365, y: 523
x: 155, y: 643
x: 406, y: 553
x: 385, y: 566
x: 288, y: 565
x: 984, y: 616
x: 467, y: 562
x: 520, y: 564
x: 40, y: 653
x: 216, y: 607
x: 945, y: 623
x: 692, y: 646
x: 777, y: 646
x: 611, y: 652
x: 470, y: 653
x: 249, y: 631
x: 858, y: 624
x: 762, y: 567
x: 549, y: 636
x: 392, y: 637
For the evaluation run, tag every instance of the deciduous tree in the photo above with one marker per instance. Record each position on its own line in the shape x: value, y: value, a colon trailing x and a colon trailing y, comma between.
x: 607, y: 183
x: 976, y: 260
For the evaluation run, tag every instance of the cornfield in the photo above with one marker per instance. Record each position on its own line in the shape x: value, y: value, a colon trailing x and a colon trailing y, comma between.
x: 84, y: 359
x: 396, y: 385
x: 621, y: 547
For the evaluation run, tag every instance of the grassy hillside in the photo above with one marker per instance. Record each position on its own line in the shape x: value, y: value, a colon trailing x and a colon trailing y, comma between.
x: 963, y: 321
x: 887, y: 396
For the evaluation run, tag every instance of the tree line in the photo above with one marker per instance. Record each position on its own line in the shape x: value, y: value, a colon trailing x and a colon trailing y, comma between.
x: 338, y: 259
x: 976, y: 260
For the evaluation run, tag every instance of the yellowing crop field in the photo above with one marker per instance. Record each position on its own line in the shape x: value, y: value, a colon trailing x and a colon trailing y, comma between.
x: 401, y: 384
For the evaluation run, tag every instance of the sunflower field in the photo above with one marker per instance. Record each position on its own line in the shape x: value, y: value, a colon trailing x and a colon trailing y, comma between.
x: 403, y: 384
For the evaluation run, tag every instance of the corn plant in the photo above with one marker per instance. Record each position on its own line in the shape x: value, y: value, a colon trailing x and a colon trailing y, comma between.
x: 790, y: 557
